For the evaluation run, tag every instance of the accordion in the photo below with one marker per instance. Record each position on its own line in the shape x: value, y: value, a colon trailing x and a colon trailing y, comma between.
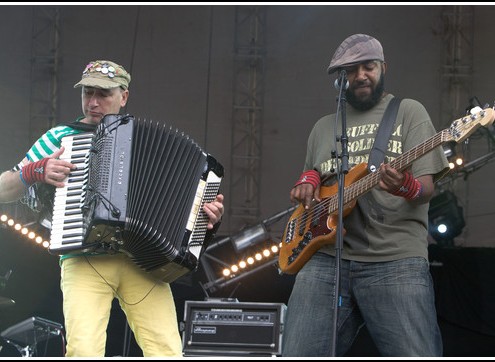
x: 139, y: 188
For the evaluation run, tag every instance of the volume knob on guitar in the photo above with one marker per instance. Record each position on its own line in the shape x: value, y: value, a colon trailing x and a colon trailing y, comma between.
x: 300, y: 246
x: 307, y: 238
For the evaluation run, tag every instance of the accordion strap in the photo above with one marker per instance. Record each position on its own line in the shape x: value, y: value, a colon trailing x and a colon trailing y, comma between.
x: 81, y: 126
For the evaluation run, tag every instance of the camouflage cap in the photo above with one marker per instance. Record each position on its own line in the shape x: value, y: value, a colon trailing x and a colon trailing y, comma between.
x: 104, y: 74
x: 355, y: 49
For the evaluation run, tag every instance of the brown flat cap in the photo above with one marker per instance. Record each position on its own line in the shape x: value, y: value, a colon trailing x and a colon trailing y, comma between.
x: 356, y: 49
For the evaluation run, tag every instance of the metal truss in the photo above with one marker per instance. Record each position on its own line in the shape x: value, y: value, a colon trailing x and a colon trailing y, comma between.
x: 247, y: 116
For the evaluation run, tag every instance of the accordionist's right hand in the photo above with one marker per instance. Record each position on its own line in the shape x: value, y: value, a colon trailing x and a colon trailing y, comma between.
x: 214, y: 210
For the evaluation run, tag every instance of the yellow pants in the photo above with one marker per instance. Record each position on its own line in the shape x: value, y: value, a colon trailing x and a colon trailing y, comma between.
x: 89, y: 285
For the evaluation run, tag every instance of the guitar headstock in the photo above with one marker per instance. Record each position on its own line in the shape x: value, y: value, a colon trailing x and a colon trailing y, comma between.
x: 463, y: 127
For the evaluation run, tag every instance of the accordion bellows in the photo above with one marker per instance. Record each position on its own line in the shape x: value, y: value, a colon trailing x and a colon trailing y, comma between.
x: 141, y: 191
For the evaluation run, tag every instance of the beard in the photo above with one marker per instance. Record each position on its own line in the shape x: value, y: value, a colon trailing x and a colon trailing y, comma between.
x: 370, y: 102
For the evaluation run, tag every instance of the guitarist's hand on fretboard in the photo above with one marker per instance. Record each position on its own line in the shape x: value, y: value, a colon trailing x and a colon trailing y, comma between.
x: 390, y: 178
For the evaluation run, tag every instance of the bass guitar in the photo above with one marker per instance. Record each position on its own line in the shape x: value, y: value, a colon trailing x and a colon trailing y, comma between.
x: 309, y: 230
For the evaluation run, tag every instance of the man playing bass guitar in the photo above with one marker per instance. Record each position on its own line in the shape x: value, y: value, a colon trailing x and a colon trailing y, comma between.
x: 385, y: 279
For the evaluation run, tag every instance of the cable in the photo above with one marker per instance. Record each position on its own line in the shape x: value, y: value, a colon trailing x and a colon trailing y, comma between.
x: 120, y: 297
x: 208, y: 77
x: 133, y: 51
x: 63, y: 342
x: 127, y: 340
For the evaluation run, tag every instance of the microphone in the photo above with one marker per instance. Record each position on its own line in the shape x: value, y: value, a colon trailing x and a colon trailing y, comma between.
x: 338, y: 83
x: 341, y: 82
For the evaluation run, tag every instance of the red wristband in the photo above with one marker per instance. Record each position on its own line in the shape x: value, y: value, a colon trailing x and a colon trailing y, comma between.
x: 410, y: 189
x: 34, y: 172
x: 311, y: 177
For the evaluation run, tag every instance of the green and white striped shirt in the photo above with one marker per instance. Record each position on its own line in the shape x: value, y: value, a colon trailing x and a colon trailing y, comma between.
x: 50, y: 142
x: 45, y: 146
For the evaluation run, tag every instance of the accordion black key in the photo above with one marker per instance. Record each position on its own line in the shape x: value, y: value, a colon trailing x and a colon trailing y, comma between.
x: 139, y: 188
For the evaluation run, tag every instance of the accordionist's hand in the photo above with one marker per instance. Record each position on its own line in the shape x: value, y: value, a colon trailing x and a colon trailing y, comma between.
x: 214, y: 210
x: 49, y: 170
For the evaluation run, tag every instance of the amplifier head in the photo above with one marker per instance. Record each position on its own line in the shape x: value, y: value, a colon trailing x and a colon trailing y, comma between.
x: 231, y: 328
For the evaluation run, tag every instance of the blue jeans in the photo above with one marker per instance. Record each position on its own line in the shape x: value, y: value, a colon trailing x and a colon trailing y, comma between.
x: 394, y: 299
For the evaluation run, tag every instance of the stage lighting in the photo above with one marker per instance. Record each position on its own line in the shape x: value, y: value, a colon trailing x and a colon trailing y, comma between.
x: 445, y: 218
x: 249, y: 237
x: 450, y: 151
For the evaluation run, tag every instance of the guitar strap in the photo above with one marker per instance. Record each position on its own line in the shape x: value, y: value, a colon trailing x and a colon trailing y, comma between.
x: 377, y: 153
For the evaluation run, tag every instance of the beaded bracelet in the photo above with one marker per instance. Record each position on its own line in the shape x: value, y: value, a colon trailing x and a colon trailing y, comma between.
x: 311, y: 177
x: 410, y: 189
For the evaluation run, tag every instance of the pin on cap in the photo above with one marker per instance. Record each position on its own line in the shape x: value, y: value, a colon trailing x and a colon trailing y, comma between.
x: 104, y: 74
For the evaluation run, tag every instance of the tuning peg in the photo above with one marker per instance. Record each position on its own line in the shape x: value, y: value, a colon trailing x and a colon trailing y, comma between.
x: 475, y: 110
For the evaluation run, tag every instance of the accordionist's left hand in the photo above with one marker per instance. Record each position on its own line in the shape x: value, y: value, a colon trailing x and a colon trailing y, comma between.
x: 214, y: 210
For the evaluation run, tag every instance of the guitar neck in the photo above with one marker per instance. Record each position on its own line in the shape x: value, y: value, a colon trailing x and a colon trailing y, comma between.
x: 400, y: 163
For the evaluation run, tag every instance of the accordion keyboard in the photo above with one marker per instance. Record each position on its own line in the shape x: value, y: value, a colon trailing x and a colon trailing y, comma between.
x: 67, y: 230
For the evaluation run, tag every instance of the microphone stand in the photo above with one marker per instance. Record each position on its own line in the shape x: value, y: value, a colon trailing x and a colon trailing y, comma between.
x: 341, y: 85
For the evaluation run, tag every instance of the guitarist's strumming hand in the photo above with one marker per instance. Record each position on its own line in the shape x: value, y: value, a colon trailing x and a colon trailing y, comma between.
x: 306, y: 189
